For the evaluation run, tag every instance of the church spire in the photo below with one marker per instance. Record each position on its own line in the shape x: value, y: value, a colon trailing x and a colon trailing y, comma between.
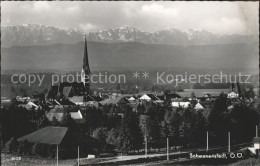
x: 85, y: 70
x: 85, y: 59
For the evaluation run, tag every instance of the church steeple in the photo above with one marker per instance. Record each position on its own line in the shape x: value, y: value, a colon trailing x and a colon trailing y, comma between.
x: 85, y: 59
x: 86, y: 69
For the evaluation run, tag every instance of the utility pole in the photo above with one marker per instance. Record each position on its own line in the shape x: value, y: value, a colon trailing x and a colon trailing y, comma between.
x: 167, y: 148
x: 229, y: 141
x: 78, y: 155
x: 256, y: 131
x: 207, y: 140
x: 57, y: 155
x: 145, y: 146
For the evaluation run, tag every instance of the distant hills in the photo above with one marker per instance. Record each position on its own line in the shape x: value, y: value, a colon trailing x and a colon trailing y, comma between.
x: 28, y: 35
x: 238, y: 56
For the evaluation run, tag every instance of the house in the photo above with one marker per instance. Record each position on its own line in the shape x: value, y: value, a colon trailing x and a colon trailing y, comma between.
x: 91, y: 100
x: 78, y: 100
x: 26, y: 106
x: 208, y: 97
x: 199, y: 106
x: 77, y: 117
x: 22, y: 99
x: 48, y: 135
x: 131, y: 99
x: 58, y: 113
x: 181, y: 104
x: 33, y: 104
x: 88, y: 100
x: 67, y: 140
x: 170, y: 97
x: 115, y: 101
x: 232, y: 95
x: 256, y: 148
x: 149, y: 97
x: 256, y: 142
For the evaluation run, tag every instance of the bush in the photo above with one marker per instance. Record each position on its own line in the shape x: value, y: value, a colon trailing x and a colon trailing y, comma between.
x: 36, y: 149
x: 11, y: 145
x: 23, y: 148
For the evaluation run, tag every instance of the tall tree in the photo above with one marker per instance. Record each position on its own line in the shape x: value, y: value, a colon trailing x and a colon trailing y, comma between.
x: 144, y: 123
x: 130, y: 136
x: 219, y: 119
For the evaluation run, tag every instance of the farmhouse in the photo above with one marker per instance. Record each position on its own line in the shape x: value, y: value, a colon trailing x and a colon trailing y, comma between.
x: 60, y: 137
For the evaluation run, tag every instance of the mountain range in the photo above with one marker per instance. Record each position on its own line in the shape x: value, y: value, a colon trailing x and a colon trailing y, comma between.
x: 33, y: 34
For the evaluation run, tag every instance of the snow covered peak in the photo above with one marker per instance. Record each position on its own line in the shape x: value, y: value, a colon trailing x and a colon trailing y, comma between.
x: 34, y: 34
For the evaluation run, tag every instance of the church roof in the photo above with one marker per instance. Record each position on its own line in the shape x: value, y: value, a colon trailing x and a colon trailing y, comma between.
x: 67, y: 89
x: 52, y: 92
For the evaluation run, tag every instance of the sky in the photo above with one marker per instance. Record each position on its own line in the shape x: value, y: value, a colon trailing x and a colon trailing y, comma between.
x: 215, y: 17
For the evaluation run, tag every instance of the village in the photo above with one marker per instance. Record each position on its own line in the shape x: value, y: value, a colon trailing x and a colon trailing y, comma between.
x: 71, y: 121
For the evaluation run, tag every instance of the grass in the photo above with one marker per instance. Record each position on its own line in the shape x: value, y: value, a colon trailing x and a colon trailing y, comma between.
x: 33, y: 161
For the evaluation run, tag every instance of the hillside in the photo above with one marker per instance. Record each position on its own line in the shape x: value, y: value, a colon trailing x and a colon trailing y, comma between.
x: 131, y: 54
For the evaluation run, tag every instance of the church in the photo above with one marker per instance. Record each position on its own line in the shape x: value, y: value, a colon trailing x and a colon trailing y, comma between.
x: 76, y: 92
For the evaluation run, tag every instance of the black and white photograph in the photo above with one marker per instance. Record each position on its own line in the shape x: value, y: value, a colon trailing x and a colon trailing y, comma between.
x: 145, y: 83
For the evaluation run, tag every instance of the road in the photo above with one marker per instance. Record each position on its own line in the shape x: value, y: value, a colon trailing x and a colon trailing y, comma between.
x: 133, y: 159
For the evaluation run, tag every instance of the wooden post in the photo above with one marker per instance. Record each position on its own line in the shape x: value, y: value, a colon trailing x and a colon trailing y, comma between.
x: 78, y: 155
x: 167, y: 148
x: 57, y: 155
x: 229, y: 141
x: 207, y: 140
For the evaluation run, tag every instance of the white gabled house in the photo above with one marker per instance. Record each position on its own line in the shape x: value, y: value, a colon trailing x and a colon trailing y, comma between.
x: 149, y: 97
x: 131, y: 99
x: 198, y: 106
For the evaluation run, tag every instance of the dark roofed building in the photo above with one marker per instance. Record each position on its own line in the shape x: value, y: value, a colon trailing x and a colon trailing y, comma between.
x: 66, y: 89
x: 115, y: 101
x: 66, y: 139
x: 48, y: 135
x: 52, y: 92
x: 169, y: 96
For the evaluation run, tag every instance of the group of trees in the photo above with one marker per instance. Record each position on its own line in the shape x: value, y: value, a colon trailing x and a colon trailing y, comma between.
x: 18, y: 121
x: 239, y: 120
x: 184, y: 127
